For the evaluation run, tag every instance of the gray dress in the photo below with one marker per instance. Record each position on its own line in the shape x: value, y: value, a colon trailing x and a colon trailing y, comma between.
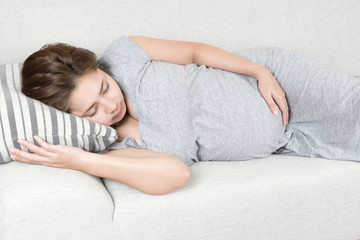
x: 198, y: 113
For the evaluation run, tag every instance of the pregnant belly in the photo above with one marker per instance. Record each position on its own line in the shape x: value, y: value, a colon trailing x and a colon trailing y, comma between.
x: 233, y: 122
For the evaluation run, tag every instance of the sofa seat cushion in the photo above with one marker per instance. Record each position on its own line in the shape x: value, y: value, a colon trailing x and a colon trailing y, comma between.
x: 279, y: 197
x: 39, y: 202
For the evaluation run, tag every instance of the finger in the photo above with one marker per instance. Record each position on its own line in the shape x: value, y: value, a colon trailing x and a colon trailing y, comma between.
x: 33, y: 147
x: 285, y: 114
x: 271, y: 104
x: 43, y: 144
x: 282, y: 103
x: 23, y: 156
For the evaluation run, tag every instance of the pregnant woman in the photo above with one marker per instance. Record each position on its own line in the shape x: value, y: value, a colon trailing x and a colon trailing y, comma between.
x: 174, y: 103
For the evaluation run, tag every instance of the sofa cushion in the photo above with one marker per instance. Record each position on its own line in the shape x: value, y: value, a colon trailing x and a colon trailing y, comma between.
x: 23, y: 117
x: 40, y: 202
x: 279, y: 197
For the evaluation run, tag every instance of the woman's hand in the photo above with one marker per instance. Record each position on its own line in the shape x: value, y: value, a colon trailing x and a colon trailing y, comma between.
x: 273, y: 93
x: 49, y: 155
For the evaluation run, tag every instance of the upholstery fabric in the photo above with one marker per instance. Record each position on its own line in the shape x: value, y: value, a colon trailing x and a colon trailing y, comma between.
x: 326, y: 31
x: 56, y: 204
x: 279, y: 197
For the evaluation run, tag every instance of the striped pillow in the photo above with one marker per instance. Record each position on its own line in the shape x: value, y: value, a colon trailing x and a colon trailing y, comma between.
x: 23, y: 117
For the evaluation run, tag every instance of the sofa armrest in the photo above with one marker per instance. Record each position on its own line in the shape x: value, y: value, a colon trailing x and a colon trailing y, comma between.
x: 39, y: 202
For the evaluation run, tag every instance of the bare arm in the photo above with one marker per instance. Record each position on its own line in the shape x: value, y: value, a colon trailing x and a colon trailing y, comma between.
x: 148, y: 171
x: 183, y: 52
x: 145, y: 170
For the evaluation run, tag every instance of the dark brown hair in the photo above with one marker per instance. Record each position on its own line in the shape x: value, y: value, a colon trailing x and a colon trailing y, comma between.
x: 50, y: 74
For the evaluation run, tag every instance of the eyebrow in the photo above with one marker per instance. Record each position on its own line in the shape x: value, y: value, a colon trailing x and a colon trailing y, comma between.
x: 101, y: 89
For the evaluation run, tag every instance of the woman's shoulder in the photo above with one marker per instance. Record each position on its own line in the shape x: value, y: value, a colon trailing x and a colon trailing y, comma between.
x: 124, y: 50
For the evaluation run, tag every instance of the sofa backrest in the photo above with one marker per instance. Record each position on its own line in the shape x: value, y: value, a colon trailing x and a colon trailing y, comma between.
x: 328, y: 31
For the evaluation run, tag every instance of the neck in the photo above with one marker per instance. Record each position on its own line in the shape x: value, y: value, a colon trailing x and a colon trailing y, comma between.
x: 127, y: 127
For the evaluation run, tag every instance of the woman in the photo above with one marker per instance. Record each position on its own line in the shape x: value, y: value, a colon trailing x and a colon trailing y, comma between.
x: 185, y: 102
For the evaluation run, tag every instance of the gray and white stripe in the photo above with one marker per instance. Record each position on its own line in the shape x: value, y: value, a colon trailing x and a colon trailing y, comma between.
x: 23, y: 117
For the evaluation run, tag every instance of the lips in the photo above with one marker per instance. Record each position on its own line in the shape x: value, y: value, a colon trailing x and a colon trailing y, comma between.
x: 119, y: 112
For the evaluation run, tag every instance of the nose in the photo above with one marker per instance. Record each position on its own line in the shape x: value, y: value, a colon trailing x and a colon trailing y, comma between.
x: 109, y: 105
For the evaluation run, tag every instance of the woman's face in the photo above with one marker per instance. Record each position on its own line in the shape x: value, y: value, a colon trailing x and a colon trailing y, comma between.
x: 97, y: 97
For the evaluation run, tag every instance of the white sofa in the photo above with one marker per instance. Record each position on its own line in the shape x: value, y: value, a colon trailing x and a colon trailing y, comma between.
x: 278, y: 197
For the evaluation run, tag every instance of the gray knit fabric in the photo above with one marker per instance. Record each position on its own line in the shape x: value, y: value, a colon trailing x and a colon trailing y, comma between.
x: 201, y: 114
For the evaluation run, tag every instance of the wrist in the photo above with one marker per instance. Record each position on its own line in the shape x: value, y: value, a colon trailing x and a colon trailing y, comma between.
x: 83, y: 160
x: 259, y: 71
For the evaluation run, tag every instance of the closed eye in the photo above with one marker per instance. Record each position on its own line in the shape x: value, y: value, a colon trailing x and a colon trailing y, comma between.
x: 107, y: 88
x: 103, y: 92
x: 93, y: 114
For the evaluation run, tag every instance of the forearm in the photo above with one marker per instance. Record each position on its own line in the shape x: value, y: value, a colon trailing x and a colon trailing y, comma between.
x: 153, y: 175
x: 204, y: 54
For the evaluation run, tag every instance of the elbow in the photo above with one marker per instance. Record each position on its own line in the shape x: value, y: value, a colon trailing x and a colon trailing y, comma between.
x: 179, y: 179
x: 184, y: 177
x: 177, y: 183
